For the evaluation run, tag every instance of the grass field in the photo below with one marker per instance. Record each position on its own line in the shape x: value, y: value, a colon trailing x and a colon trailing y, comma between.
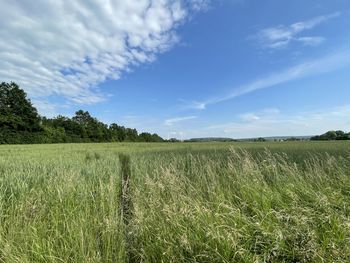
x: 186, y: 202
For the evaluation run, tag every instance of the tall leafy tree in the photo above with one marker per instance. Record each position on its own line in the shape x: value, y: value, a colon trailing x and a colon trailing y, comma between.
x: 131, y: 135
x: 118, y: 133
x: 92, y: 127
x: 16, y: 110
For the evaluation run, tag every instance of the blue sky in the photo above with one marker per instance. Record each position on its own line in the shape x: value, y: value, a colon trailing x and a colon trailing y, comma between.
x: 196, y: 68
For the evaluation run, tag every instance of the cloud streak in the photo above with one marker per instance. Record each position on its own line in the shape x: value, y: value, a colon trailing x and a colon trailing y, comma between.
x: 281, y: 36
x: 171, y: 122
x: 316, y: 67
x: 66, y: 48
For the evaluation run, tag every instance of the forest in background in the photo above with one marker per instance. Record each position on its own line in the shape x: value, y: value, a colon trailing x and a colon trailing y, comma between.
x: 20, y: 123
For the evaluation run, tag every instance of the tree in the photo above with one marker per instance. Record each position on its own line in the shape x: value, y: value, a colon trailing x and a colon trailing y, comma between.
x: 131, y: 135
x: 118, y: 133
x: 145, y: 137
x: 156, y: 138
x: 332, y: 135
x: 91, y: 128
x: 260, y: 139
x: 73, y: 130
x: 16, y: 110
x: 173, y: 140
x: 20, y: 123
x: 83, y: 118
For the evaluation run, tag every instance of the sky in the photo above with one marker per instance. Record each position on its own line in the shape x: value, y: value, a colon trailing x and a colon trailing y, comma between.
x: 184, y: 68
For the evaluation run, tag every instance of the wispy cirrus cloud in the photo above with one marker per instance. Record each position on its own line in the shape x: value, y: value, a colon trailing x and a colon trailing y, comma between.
x: 170, y: 122
x: 311, y: 41
x: 66, y: 48
x: 282, y: 35
x: 329, y: 63
x: 199, y: 5
x: 260, y: 115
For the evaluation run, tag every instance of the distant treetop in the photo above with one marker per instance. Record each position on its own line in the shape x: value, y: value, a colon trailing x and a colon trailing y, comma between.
x: 331, y: 136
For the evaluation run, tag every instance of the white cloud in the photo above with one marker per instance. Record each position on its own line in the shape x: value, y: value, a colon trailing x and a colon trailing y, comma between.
x: 66, y: 48
x: 316, y: 67
x: 281, y: 36
x: 199, y: 5
x: 249, y: 117
x: 193, y: 105
x: 311, y: 41
x: 260, y: 115
x: 170, y: 122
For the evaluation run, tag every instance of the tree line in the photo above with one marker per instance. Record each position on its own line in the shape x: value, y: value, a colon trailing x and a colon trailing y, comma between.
x: 20, y: 123
x: 332, y: 136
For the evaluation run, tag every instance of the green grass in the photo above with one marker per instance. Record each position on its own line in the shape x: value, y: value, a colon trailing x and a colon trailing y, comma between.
x: 188, y: 202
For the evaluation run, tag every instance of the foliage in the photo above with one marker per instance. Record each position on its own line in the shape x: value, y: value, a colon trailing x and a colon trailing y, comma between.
x: 293, y: 139
x: 260, y: 139
x: 331, y: 136
x: 147, y: 137
x: 16, y: 111
x: 21, y: 124
x: 173, y: 140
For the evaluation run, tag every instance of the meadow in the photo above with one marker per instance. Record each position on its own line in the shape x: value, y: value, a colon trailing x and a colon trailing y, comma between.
x: 175, y: 202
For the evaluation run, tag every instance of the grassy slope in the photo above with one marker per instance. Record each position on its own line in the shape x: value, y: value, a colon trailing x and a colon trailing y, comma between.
x: 207, y: 202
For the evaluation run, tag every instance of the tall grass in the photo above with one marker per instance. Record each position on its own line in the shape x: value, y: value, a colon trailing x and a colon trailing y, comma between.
x: 242, y: 208
x: 61, y: 210
x: 185, y: 203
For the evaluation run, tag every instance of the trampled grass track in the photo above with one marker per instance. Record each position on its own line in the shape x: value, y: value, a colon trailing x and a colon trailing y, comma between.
x: 192, y: 202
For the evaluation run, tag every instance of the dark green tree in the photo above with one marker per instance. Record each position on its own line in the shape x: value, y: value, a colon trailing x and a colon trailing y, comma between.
x: 16, y: 111
x: 145, y: 137
x: 91, y: 128
x: 332, y: 135
x: 118, y: 133
x: 131, y: 135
